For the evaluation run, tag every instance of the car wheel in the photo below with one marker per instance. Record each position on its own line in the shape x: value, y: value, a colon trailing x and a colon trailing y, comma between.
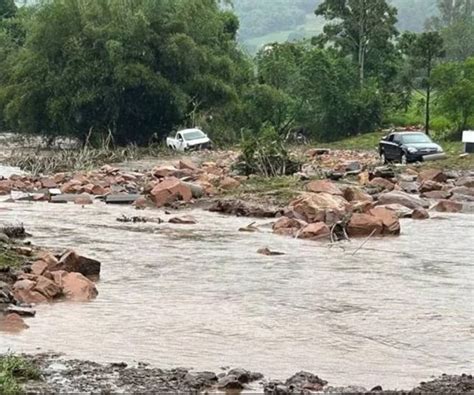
x: 383, y: 158
x: 403, y: 159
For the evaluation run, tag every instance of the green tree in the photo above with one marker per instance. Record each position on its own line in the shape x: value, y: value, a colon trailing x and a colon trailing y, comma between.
x: 7, y: 9
x: 423, y: 52
x: 455, y: 84
x: 130, y: 68
x: 361, y: 28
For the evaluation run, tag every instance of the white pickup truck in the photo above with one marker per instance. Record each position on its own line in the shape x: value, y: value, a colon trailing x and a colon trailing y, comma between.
x: 189, y: 139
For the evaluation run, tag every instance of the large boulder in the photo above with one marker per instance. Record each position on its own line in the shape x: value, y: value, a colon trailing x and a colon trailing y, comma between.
x: 448, y: 206
x: 429, y: 185
x: 78, y: 288
x: 72, y: 262
x: 462, y: 191
x: 382, y: 183
x: 420, y: 213
x: 170, y: 190
x: 229, y: 183
x: 467, y: 181
x: 47, y: 287
x: 287, y: 226
x: 390, y: 221
x: 83, y: 199
x: 436, y: 195
x: 314, y: 231
x: 24, y: 292
x: 403, y: 198
x: 361, y: 225
x: 12, y: 323
x: 354, y: 194
x: 319, y: 207
x: 325, y: 186
x: 432, y: 175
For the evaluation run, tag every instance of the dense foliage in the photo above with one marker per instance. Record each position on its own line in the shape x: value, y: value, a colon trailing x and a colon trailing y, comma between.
x: 132, y: 71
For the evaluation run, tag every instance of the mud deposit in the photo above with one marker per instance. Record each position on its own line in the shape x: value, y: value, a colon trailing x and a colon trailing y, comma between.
x: 396, y: 313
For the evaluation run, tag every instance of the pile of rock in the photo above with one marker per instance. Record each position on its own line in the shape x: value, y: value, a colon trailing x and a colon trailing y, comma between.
x: 325, y: 205
x: 373, y: 205
x: 45, y: 279
x: 163, y: 185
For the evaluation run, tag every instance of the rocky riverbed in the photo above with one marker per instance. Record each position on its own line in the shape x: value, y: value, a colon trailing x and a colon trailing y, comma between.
x: 60, y: 375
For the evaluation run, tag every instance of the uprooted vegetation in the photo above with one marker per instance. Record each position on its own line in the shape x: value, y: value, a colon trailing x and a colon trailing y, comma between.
x: 86, y: 158
x: 266, y: 154
x: 15, y: 370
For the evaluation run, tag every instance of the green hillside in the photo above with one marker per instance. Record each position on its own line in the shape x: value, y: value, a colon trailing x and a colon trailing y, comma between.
x: 264, y: 21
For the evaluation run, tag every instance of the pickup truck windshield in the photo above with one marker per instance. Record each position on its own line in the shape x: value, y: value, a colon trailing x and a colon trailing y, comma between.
x: 194, y: 135
x: 415, y: 138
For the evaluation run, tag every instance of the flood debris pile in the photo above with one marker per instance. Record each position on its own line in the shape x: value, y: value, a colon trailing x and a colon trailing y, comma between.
x: 61, y: 375
x: 29, y: 276
x: 161, y: 186
x: 371, y: 203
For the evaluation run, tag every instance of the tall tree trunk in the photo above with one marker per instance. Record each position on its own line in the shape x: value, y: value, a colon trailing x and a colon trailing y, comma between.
x: 427, y: 110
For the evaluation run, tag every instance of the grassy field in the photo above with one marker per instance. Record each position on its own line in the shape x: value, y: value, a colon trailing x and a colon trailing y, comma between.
x: 369, y: 141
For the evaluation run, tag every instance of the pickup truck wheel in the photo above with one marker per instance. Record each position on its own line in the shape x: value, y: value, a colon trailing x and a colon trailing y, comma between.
x: 383, y: 159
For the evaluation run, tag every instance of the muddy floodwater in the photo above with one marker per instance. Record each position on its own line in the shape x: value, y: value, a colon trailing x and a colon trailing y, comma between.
x: 399, y: 311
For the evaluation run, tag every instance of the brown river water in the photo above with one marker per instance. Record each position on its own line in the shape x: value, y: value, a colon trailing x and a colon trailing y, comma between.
x: 397, y: 312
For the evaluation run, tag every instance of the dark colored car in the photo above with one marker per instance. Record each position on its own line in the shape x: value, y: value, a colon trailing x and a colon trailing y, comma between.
x: 405, y: 147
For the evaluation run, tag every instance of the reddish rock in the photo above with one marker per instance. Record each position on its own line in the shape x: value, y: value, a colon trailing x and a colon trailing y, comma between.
x: 432, y: 175
x: 59, y: 178
x: 229, y: 183
x: 382, y: 183
x: 48, y: 183
x: 70, y: 186
x: 29, y: 296
x: 325, y: 186
x: 98, y: 190
x: 420, y: 213
x: 141, y: 202
x: 436, y: 195
x: 354, y: 194
x: 169, y: 190
x: 285, y: 223
x: 314, y: 231
x: 184, y: 220
x: 83, y: 199
x: 78, y: 288
x: 39, y: 267
x: 429, y: 185
x: 448, y: 206
x: 12, y: 323
x: 72, y: 262
x: 50, y: 259
x: 47, y: 287
x: 319, y: 207
x: 57, y: 277
x: 361, y: 225
x: 186, y: 164
x: 390, y: 221
x: 164, y: 171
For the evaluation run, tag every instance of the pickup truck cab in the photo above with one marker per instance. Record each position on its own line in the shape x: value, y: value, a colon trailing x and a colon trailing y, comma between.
x: 405, y: 147
x: 189, y: 139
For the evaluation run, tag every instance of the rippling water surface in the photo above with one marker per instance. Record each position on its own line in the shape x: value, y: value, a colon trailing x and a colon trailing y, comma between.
x: 200, y: 296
